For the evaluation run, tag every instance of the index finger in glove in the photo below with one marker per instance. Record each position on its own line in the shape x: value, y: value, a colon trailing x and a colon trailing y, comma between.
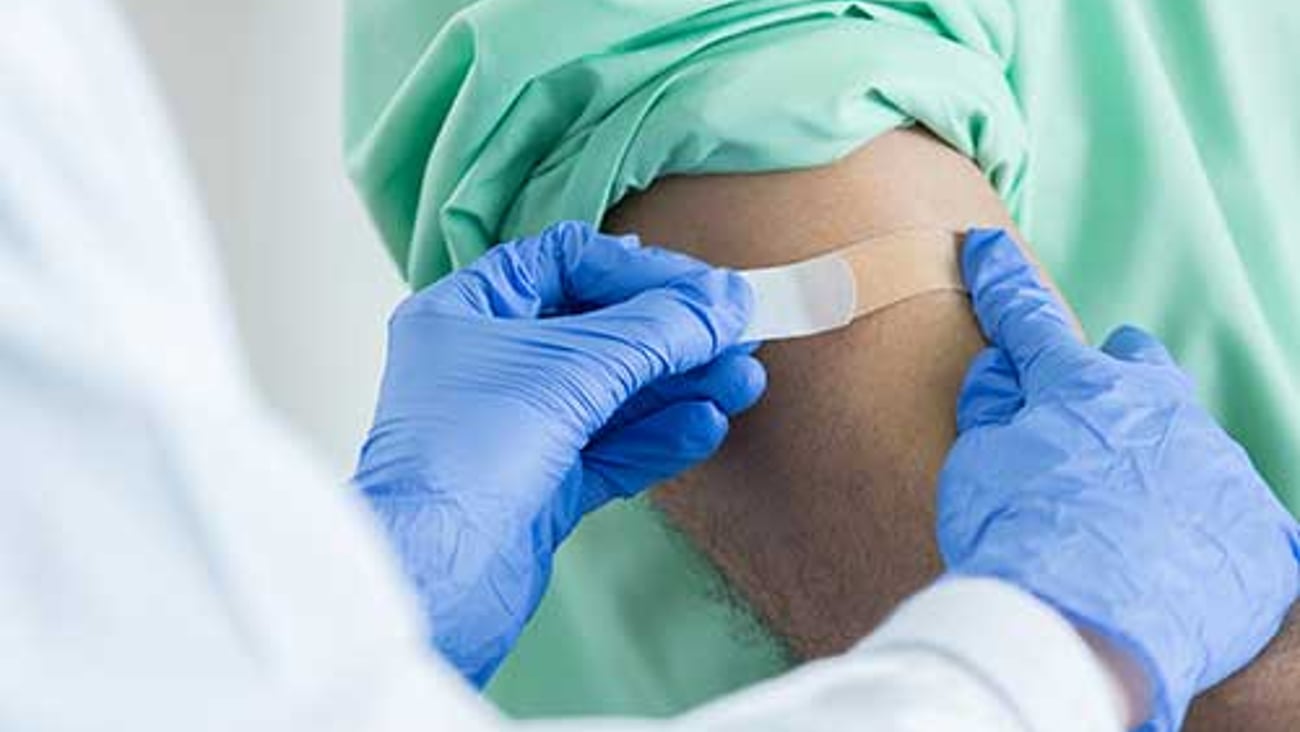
x: 1016, y: 311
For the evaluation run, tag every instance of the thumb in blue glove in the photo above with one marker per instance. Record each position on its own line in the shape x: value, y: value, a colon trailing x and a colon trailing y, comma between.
x: 553, y: 375
x: 1092, y: 479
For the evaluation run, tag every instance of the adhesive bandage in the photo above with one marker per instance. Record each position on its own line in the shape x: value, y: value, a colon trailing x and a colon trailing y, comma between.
x: 834, y: 289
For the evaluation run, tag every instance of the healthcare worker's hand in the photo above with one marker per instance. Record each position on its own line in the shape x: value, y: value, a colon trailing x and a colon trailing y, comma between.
x: 552, y: 375
x: 1092, y: 479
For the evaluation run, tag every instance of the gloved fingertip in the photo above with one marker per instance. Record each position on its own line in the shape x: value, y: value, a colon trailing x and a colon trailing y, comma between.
x: 980, y: 249
x: 705, y: 426
x: 1132, y: 344
x: 686, y: 433
x: 657, y: 446
x: 1128, y: 336
x: 1015, y: 308
x: 993, y: 263
x: 741, y: 384
x: 980, y: 236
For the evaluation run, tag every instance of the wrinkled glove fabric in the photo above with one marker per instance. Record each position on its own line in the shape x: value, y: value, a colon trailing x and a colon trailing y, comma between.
x: 1093, y: 479
x: 553, y: 375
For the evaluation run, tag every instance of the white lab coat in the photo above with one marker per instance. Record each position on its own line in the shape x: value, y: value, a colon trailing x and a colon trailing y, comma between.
x: 171, y: 558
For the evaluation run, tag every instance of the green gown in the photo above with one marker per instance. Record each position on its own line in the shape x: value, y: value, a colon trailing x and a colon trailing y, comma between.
x: 1149, y: 149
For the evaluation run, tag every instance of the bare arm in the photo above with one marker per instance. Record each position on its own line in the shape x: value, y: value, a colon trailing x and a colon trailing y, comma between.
x: 820, y: 508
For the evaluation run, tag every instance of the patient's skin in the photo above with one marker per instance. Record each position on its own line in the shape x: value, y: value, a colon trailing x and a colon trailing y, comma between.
x: 820, y: 507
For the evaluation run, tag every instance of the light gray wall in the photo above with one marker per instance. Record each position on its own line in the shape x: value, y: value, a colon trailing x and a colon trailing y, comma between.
x: 254, y: 88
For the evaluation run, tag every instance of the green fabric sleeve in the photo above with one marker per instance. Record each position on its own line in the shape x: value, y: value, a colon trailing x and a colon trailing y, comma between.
x: 515, y: 113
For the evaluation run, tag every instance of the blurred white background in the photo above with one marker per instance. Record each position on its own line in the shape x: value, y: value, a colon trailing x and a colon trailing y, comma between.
x: 254, y: 87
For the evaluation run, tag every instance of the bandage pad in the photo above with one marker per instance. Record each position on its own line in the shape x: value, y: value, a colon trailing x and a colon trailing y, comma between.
x: 834, y: 289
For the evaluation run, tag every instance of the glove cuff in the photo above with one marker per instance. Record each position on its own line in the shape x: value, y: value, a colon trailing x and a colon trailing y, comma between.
x: 1169, y: 692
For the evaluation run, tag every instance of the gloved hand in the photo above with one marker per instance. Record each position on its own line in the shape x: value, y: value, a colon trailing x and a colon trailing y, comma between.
x: 520, y: 393
x: 1092, y: 479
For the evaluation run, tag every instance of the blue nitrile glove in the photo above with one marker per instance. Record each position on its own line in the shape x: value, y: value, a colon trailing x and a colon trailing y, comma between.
x: 1092, y: 479
x: 552, y: 375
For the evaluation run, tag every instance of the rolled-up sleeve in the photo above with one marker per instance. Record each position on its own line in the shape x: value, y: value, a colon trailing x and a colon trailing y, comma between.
x: 469, y: 125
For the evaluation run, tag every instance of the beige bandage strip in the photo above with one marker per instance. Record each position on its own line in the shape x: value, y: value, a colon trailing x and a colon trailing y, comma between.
x: 834, y: 289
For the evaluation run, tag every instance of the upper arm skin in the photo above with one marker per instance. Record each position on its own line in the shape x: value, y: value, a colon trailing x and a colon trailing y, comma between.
x: 820, y: 507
